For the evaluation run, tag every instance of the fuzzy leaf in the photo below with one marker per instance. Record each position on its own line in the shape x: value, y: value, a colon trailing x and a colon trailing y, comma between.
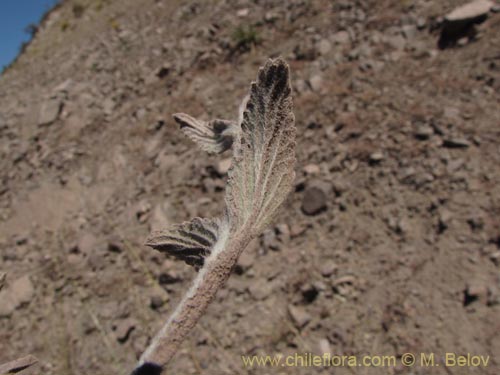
x: 191, y: 241
x: 264, y: 151
x: 214, y: 137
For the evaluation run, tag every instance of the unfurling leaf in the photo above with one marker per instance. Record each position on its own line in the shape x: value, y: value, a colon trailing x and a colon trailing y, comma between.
x: 261, y: 176
x: 262, y: 171
x: 214, y: 137
x: 191, y: 241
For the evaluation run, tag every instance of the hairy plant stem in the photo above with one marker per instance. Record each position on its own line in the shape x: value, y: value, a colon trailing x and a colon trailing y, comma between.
x: 209, y: 280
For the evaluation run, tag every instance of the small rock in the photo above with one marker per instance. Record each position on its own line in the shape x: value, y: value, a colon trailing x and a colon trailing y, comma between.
x: 245, y: 261
x: 341, y: 37
x: 157, y: 301
x: 222, y: 166
x: 49, y: 111
x: 324, y: 346
x: 324, y: 46
x: 421, y: 23
x: 456, y: 143
x: 86, y: 243
x: 261, y: 289
x: 21, y: 238
x: 343, y: 280
x: 18, y: 294
x: 314, y: 200
x: 316, y: 82
x: 108, y: 106
x: 457, y: 23
x: 445, y: 217
x: 64, y: 86
x: 424, y: 131
x: 340, y: 186
x: 243, y: 12
x: 311, y: 169
x: 3, y: 276
x: 296, y: 230
x: 115, y: 245
x: 409, y: 31
x: 403, y: 226
x: 328, y: 268
x: 74, y: 259
x: 397, y: 42
x: 142, y: 211
x: 376, y: 157
x: 269, y: 240
x: 470, y: 11
x: 300, y: 86
x: 495, y: 258
x: 451, y: 113
x: 283, y: 232
x: 299, y: 316
x: 270, y: 16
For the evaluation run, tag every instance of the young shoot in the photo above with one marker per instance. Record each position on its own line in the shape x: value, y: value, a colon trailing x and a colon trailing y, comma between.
x: 259, y: 180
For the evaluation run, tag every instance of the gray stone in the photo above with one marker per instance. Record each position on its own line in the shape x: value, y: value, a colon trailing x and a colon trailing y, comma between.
x: 245, y: 261
x: 421, y: 23
x: 424, y: 131
x: 311, y: 169
x: 18, y: 294
x: 157, y: 300
x: 49, y: 111
x: 108, y: 106
x: 269, y: 240
x: 376, y: 157
x: 409, y: 31
x: 314, y: 200
x: 316, y: 82
x: 328, y: 268
x: 261, y: 289
x: 460, y: 19
x: 299, y: 315
x: 469, y: 11
x: 64, y: 86
x: 324, y: 47
x: 341, y: 37
x: 456, y: 142
x: 445, y: 217
x: 397, y: 42
x: 324, y: 346
x: 222, y: 166
x: 3, y: 276
x: 86, y: 243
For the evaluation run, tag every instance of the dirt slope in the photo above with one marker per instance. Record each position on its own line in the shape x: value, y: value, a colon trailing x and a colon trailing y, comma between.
x: 390, y: 243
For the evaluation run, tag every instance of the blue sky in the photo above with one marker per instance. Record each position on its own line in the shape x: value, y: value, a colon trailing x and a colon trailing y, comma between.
x: 15, y: 15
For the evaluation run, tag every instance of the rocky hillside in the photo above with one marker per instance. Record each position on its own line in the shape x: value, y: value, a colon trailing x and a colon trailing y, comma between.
x: 389, y: 244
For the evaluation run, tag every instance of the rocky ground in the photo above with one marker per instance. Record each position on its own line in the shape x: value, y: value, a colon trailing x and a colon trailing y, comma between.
x: 389, y: 244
